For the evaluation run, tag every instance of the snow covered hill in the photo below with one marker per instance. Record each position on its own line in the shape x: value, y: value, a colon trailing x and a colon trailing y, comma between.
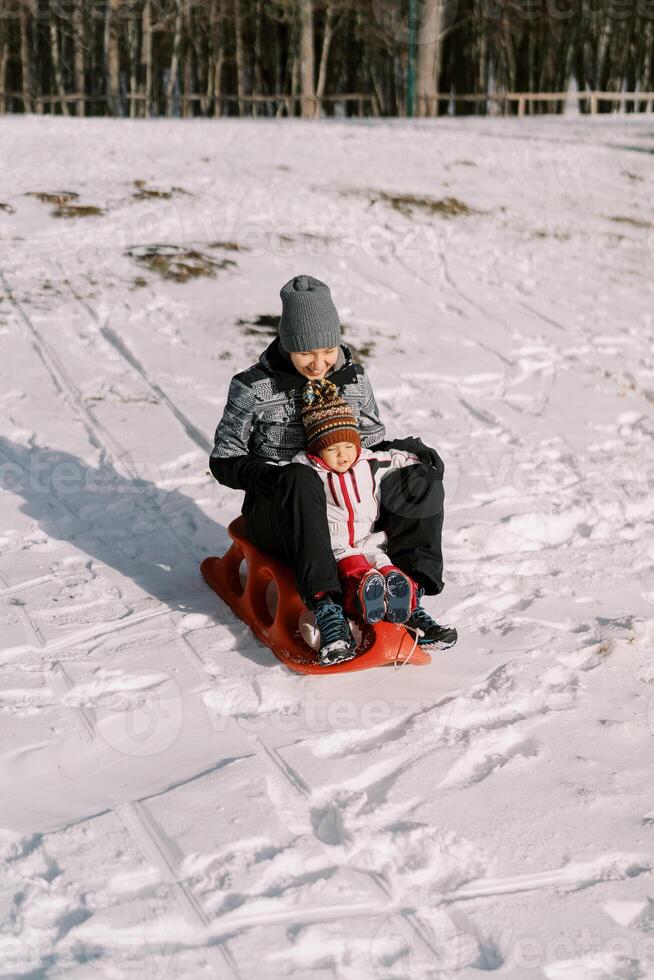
x: 175, y: 803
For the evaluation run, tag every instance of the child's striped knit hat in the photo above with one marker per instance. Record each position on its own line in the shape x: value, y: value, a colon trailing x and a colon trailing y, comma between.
x: 327, y: 417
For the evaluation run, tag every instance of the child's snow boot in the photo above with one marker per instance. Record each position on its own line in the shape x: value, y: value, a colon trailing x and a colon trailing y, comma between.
x: 336, y: 641
x: 399, y: 596
x: 433, y: 634
x: 370, y: 597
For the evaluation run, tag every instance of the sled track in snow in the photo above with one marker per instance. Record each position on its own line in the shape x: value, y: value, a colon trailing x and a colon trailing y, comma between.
x: 146, y: 835
x: 111, y: 451
x: 91, y: 632
x: 298, y: 793
x: 510, y: 370
x: 62, y: 685
x: 133, y: 812
x: 30, y: 583
x: 117, y: 344
x: 30, y: 626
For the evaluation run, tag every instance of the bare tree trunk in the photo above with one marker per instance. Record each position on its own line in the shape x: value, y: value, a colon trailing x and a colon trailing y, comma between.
x: 429, y: 57
x: 78, y: 55
x: 218, y: 76
x: 174, y: 60
x: 4, y: 62
x: 133, y: 49
x: 603, y: 60
x: 112, y: 37
x: 376, y: 96
x: 648, y: 64
x: 510, y: 74
x: 216, y: 56
x: 187, y: 87
x: 482, y: 71
x: 240, y: 57
x: 26, y: 10
x: 201, y: 48
x: 146, y: 57
x: 295, y: 84
x: 55, y: 57
x: 307, y: 60
x: 258, y: 58
x: 324, y: 53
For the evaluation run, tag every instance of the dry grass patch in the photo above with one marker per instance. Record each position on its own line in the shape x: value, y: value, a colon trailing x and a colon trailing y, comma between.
x: 177, y: 263
x: 64, y: 208
x: 625, y: 220
x: 144, y: 193
x: 76, y: 211
x: 407, y: 204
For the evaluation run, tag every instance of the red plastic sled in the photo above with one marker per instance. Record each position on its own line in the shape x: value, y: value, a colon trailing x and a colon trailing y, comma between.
x: 381, y: 645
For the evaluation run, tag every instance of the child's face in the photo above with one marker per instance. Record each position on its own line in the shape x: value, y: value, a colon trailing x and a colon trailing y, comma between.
x: 314, y: 363
x: 340, y: 456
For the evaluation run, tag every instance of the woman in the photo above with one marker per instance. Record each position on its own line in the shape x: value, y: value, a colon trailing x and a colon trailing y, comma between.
x: 284, y: 506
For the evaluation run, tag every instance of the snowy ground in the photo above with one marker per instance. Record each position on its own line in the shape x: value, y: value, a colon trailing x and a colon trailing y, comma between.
x: 174, y: 802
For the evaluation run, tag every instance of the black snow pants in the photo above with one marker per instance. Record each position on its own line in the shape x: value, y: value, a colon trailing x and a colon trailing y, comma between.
x: 291, y: 524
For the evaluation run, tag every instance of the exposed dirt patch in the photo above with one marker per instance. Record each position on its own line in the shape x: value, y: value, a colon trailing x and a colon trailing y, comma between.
x: 229, y: 246
x: 408, y: 204
x: 176, y: 262
x: 7, y: 207
x: 76, y: 211
x: 625, y: 220
x: 362, y: 353
x: 265, y: 324
x: 58, y: 197
x: 145, y: 193
x: 64, y: 208
x: 560, y: 236
x: 306, y: 236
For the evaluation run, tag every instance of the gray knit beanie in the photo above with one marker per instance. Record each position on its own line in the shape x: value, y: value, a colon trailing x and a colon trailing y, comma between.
x: 309, y: 320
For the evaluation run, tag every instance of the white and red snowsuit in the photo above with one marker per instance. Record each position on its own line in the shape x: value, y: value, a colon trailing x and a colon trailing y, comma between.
x: 353, y: 501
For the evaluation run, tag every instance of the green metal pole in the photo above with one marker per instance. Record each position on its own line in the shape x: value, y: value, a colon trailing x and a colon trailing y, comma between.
x: 411, y: 68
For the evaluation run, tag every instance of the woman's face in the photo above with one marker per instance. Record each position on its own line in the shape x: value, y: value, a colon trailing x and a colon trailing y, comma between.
x: 314, y: 363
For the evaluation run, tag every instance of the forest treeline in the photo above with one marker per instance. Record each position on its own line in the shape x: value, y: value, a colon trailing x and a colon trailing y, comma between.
x: 317, y: 57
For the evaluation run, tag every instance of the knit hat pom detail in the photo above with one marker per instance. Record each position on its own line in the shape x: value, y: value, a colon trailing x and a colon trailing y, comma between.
x: 327, y: 417
x: 319, y: 392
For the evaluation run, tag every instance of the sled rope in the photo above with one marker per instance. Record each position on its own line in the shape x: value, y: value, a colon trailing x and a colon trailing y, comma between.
x: 411, y: 629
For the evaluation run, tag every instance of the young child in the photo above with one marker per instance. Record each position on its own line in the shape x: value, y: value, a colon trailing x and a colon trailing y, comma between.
x: 373, y: 588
